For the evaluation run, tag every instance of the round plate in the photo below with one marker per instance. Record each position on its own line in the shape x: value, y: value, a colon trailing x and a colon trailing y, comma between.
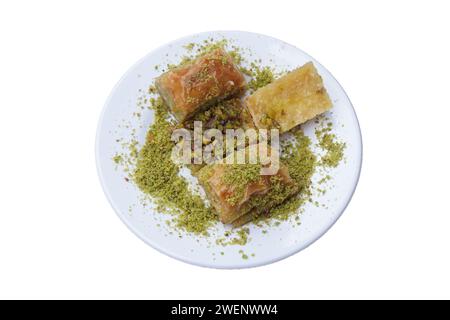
x: 117, y: 123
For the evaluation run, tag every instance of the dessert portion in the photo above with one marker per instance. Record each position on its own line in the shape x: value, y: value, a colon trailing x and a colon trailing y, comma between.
x: 202, y: 82
x: 238, y: 192
x: 290, y: 100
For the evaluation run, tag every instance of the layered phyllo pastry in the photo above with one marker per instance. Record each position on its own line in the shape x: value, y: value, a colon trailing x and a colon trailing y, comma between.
x: 290, y: 100
x: 238, y: 192
x: 199, y: 84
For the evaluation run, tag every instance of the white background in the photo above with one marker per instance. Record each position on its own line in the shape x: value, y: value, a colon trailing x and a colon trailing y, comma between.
x: 59, y: 237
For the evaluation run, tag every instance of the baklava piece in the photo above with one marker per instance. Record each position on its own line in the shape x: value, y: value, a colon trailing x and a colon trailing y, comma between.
x: 236, y: 190
x: 200, y: 83
x: 290, y: 100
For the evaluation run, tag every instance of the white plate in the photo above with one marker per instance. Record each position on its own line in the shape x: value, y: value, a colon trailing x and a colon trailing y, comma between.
x: 279, y: 242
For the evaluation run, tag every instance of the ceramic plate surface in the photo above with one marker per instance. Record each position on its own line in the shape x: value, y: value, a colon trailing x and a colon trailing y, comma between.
x: 117, y: 123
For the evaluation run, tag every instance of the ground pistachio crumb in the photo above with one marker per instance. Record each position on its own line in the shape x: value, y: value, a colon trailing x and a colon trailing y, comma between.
x: 190, y: 46
x: 241, y: 238
x: 239, y: 176
x: 334, y: 149
x: 207, y: 46
x: 243, y: 255
x: 157, y: 176
x: 118, y: 159
x: 261, y: 76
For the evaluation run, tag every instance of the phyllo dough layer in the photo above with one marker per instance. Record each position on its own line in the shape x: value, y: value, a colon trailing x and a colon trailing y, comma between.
x: 200, y: 83
x: 290, y: 100
x: 234, y: 197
